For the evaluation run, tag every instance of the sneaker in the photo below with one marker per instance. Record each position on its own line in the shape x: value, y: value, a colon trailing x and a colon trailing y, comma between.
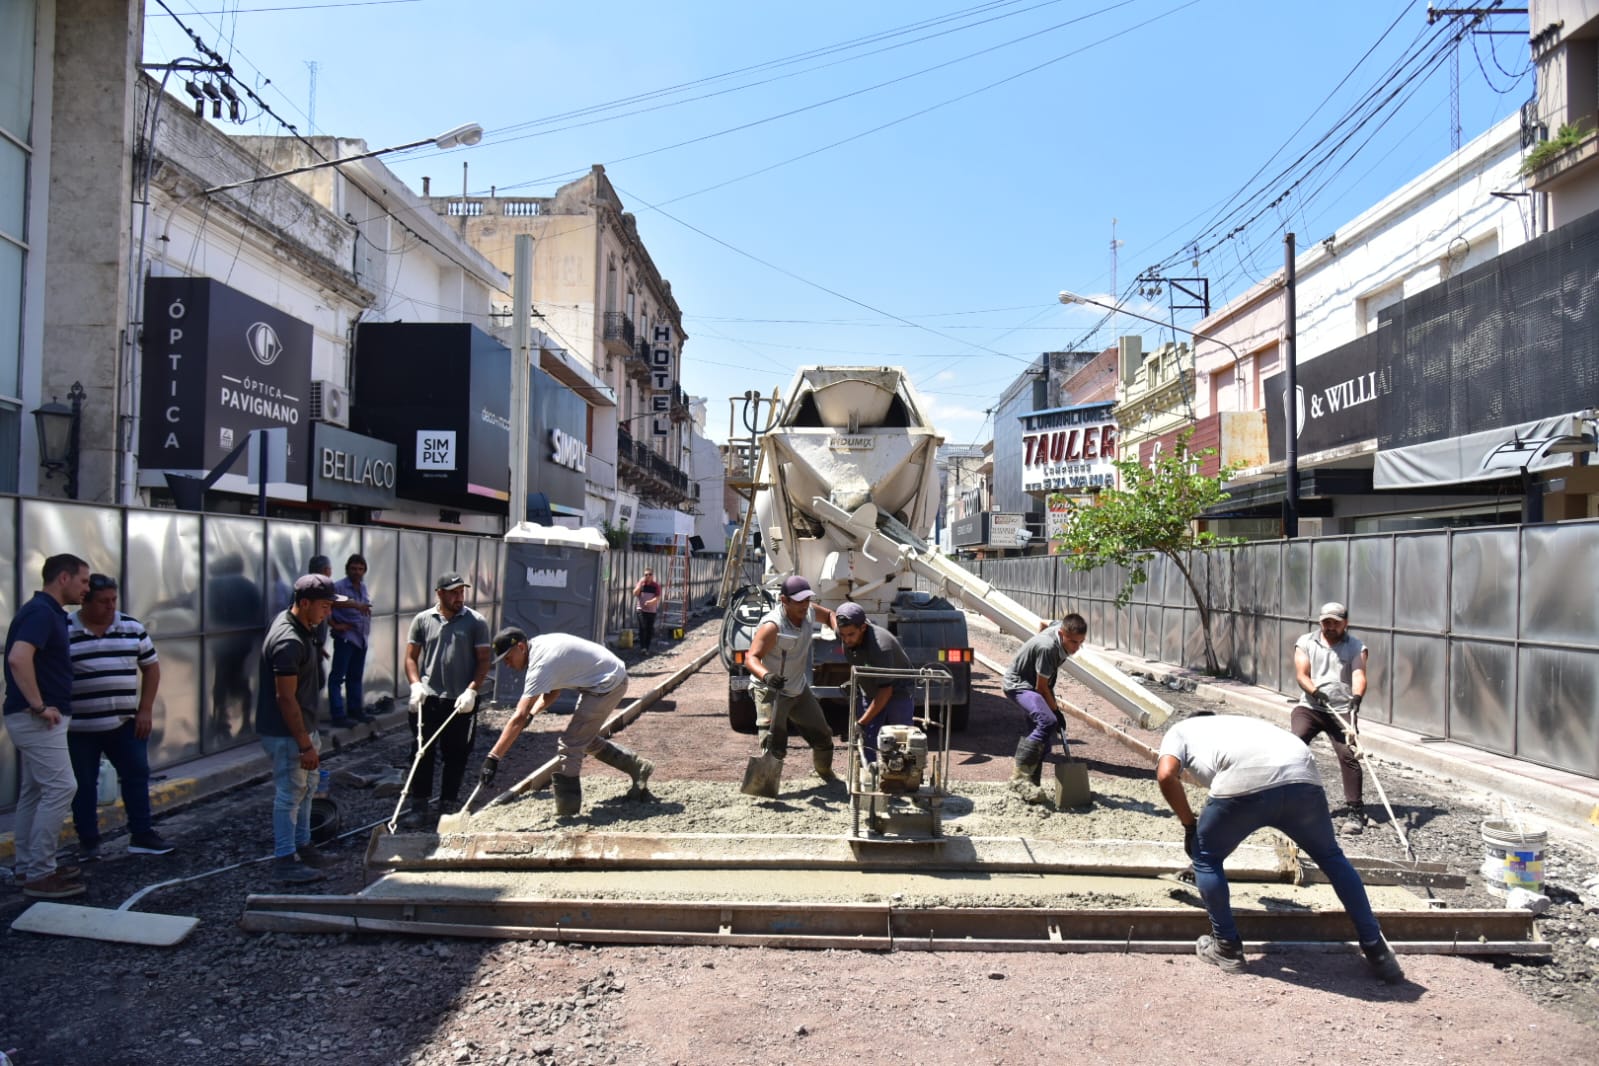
x: 1229, y: 955
x: 449, y: 806
x: 315, y: 858
x: 1383, y: 963
x: 88, y: 852
x: 149, y: 844
x: 1353, y: 823
x: 362, y: 717
x: 291, y: 871
x: 413, y: 818
x: 52, y: 886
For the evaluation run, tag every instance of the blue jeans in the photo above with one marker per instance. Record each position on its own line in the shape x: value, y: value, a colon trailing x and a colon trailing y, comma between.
x: 291, y: 804
x: 344, y: 679
x: 1045, y: 725
x: 899, y: 710
x: 1298, y: 810
x: 126, y: 753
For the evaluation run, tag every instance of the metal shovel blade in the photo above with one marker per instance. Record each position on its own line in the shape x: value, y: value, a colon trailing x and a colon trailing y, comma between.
x: 1071, y: 785
x: 762, y: 776
x: 457, y: 822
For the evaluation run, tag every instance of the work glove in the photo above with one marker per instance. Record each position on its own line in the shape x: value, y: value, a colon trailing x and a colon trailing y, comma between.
x: 466, y: 702
x: 491, y: 766
x: 419, y: 693
x: 1191, y: 839
x: 1354, y: 713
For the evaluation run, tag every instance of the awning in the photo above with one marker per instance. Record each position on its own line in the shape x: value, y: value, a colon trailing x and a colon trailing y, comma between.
x: 1495, y: 453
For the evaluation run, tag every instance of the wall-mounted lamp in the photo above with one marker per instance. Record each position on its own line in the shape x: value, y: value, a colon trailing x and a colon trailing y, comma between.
x: 59, y: 427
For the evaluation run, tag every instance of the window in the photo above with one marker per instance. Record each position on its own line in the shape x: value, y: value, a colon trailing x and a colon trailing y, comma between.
x: 16, y: 149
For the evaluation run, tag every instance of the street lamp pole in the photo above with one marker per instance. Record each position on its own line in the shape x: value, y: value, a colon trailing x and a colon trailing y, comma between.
x: 467, y: 136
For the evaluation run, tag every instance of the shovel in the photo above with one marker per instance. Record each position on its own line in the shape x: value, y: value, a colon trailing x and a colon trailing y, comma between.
x: 762, y: 775
x: 1071, y: 780
x: 457, y: 822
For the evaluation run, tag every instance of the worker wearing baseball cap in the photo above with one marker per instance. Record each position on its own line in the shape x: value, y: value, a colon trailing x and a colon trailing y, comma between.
x: 446, y: 660
x: 553, y: 662
x: 1330, y: 667
x: 779, y: 662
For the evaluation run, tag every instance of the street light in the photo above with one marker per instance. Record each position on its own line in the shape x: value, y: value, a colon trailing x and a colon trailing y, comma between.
x: 1074, y: 298
x: 58, y: 427
x: 467, y: 135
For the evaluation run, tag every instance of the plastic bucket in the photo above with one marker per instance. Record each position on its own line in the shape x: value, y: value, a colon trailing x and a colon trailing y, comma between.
x: 1513, y: 858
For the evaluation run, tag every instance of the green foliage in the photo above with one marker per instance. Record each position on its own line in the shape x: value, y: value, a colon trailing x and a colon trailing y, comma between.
x: 1545, y: 152
x: 617, y: 536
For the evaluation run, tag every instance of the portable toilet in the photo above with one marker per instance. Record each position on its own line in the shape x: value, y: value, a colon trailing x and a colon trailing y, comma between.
x: 554, y: 580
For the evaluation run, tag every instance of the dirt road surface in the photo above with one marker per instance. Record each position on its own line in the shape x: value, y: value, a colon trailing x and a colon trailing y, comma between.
x: 227, y: 997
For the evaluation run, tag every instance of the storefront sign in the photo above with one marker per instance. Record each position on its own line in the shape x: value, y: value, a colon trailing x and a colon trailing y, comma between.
x: 1007, y: 531
x: 1071, y: 448
x: 348, y: 468
x: 218, y: 364
x: 1340, y: 400
x: 663, y: 379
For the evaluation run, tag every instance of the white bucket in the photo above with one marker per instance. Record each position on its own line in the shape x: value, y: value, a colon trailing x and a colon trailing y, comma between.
x: 1513, y: 857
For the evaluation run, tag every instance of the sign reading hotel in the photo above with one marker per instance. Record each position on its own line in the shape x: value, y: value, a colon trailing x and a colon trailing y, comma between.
x: 1069, y: 449
x: 663, y: 380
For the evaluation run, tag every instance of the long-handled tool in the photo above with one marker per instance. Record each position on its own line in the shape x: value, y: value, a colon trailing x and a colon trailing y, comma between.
x: 1351, y: 738
x: 1071, y: 777
x: 421, y: 749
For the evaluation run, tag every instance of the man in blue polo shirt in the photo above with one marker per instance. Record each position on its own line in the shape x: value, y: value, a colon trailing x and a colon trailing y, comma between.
x: 38, y: 702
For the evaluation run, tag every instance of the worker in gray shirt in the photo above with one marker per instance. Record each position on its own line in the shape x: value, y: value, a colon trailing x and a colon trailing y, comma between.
x: 1330, y: 667
x: 553, y: 663
x: 884, y: 701
x: 446, y: 660
x: 1030, y: 684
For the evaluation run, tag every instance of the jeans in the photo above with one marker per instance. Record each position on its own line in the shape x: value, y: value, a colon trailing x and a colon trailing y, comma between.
x: 1046, y: 726
x: 899, y: 710
x: 1298, y: 810
x: 127, y: 755
x: 291, y: 803
x: 344, y: 679
x: 45, y: 795
x: 582, y: 734
x: 453, y: 747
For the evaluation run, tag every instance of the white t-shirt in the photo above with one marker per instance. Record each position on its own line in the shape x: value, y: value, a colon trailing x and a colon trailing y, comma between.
x: 562, y: 661
x: 1235, y: 755
x: 1330, y: 662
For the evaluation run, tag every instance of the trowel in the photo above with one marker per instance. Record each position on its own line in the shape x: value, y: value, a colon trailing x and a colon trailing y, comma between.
x: 762, y: 776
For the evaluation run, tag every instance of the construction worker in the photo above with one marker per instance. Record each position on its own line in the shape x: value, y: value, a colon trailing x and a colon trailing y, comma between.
x: 1259, y: 776
x: 1030, y: 684
x: 555, y: 662
x: 885, y: 701
x: 1324, y: 659
x: 779, y: 661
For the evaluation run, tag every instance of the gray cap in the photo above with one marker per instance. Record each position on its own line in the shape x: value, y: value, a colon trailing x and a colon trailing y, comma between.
x: 1333, y: 609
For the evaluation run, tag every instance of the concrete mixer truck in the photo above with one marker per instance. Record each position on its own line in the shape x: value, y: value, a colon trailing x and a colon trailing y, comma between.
x: 845, y: 489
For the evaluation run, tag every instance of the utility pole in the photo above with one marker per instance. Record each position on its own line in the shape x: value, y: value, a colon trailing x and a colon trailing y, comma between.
x: 1290, y: 394
x: 310, y: 114
x: 521, y: 372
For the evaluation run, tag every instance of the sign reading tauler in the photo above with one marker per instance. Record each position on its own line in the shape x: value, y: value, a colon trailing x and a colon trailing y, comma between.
x: 216, y: 365
x: 1069, y: 448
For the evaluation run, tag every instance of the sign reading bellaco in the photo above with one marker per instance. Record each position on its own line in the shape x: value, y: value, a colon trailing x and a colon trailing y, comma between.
x: 1069, y: 449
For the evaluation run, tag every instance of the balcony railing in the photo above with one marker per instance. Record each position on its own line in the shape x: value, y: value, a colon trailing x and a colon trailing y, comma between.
x: 657, y: 478
x: 638, y: 362
x: 618, y: 333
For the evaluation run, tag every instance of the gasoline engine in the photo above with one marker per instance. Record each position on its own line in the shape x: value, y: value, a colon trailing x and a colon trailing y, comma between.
x: 901, y: 758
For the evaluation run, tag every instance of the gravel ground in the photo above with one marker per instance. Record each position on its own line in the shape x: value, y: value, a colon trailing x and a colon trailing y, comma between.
x: 226, y: 997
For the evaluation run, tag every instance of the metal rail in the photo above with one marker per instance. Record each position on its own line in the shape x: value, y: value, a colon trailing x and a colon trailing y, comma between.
x: 878, y: 927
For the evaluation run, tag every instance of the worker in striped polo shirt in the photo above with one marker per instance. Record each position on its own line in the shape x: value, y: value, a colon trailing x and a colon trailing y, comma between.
x: 115, y: 675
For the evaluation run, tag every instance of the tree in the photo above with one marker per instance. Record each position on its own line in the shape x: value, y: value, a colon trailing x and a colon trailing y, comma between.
x: 1153, y: 513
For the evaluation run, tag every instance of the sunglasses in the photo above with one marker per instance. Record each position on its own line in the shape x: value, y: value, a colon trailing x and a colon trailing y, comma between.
x: 101, y: 582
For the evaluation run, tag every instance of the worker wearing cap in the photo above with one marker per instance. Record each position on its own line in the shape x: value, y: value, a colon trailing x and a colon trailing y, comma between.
x: 1258, y: 777
x: 890, y: 701
x: 779, y: 661
x: 553, y: 663
x: 285, y: 722
x: 1330, y: 667
x: 446, y: 660
x: 1029, y: 682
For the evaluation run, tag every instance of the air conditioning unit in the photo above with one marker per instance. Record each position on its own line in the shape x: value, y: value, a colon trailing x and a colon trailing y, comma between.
x: 330, y: 403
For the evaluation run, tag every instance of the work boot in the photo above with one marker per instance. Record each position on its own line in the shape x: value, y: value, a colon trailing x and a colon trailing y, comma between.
x: 822, y: 760
x: 568, y: 795
x: 1228, y: 954
x: 314, y: 857
x: 1383, y: 963
x: 1029, y: 761
x: 639, y: 769
x: 289, y: 870
x: 1354, y: 820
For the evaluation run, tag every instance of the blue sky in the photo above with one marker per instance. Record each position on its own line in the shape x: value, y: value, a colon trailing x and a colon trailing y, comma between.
x: 987, y: 147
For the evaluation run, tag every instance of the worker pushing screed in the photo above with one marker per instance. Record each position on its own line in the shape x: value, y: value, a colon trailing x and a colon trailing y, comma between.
x: 555, y: 662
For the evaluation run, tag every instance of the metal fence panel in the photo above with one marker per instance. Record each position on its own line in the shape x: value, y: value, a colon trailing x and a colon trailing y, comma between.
x: 1560, y: 571
x: 441, y: 559
x: 1559, y: 701
x: 415, y: 573
x: 381, y: 547
x: 338, y: 543
x: 176, y: 735
x: 1329, y: 572
x: 290, y: 546
x: 1296, y: 603
x: 1482, y: 583
x: 1420, y: 684
x: 1482, y: 685
x: 385, y: 652
x: 1421, y: 582
x: 1371, y: 581
x: 50, y: 527
x: 10, y: 583
x: 161, y: 587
